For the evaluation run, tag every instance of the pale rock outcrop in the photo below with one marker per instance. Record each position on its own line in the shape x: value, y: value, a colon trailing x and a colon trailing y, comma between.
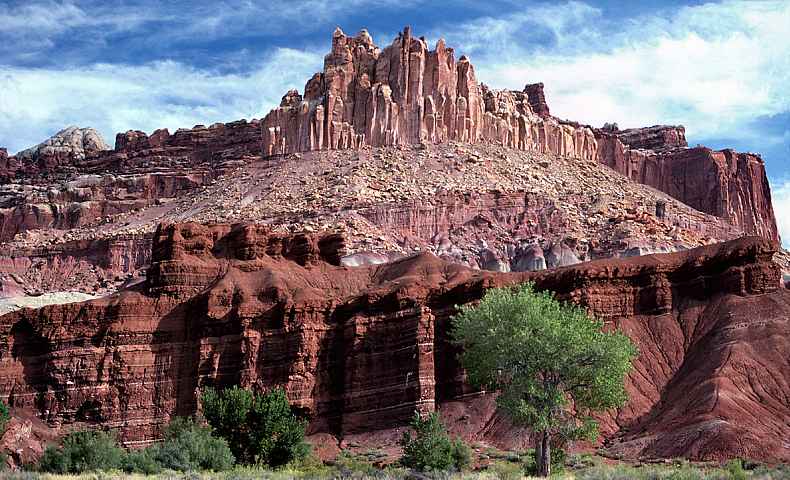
x: 71, y: 143
x: 407, y: 94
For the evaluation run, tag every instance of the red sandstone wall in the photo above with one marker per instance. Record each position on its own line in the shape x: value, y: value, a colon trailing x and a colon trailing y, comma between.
x: 360, y: 349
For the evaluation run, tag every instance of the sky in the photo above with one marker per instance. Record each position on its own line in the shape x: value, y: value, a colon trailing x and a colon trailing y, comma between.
x: 722, y: 69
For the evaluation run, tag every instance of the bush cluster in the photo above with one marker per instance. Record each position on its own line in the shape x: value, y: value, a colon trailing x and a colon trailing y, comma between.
x: 430, y: 448
x: 260, y: 429
x: 187, y: 446
x: 83, y: 451
x: 243, y: 427
x: 5, y: 416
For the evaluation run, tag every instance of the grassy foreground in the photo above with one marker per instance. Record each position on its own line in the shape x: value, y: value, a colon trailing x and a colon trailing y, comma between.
x: 586, y: 468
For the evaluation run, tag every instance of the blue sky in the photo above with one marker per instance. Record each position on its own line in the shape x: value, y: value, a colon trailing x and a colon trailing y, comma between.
x: 722, y: 69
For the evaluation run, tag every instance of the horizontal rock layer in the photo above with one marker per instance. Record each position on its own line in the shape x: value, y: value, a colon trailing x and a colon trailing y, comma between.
x: 359, y: 349
x: 89, y: 198
x: 657, y: 138
x: 217, y: 146
x: 728, y: 184
x: 90, y: 266
x: 95, y: 188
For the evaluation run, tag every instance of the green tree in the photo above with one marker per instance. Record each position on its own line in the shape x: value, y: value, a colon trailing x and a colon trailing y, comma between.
x: 5, y: 417
x: 430, y: 448
x: 552, y: 364
x: 259, y: 428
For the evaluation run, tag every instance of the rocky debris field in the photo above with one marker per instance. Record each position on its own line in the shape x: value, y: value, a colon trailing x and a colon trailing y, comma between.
x: 482, y: 205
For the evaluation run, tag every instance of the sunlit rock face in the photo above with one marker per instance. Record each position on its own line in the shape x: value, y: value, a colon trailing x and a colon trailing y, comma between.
x: 407, y: 94
x: 359, y: 349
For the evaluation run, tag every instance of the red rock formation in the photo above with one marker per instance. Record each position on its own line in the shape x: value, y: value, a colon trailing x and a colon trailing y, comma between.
x: 88, y: 199
x: 139, y: 173
x: 217, y: 146
x: 657, y: 138
x: 725, y: 183
x: 8, y: 165
x: 92, y: 266
x: 408, y: 94
x: 359, y: 349
x: 537, y: 100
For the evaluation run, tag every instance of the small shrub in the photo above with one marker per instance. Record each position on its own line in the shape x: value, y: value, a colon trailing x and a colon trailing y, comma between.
x: 188, y: 446
x: 5, y: 417
x: 735, y: 469
x: 351, y: 465
x: 462, y: 454
x: 310, y: 467
x: 431, y: 447
x: 53, y: 460
x: 507, y: 470
x: 83, y: 451
x: 141, y: 461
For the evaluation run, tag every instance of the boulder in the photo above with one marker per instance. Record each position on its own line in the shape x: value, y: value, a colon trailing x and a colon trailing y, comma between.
x: 560, y: 255
x: 530, y: 259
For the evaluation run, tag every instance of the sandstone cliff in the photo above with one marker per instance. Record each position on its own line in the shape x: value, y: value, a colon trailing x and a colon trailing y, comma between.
x: 522, y: 181
x: 408, y: 94
x: 725, y: 183
x: 359, y: 349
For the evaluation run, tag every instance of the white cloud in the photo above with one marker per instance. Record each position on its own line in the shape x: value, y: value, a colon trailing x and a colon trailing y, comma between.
x: 713, y: 67
x: 31, y: 28
x: 780, y: 191
x: 35, y: 25
x: 35, y: 103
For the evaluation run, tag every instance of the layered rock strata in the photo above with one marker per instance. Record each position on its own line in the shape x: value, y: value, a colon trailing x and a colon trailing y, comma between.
x: 63, y: 188
x: 73, y: 188
x: 408, y: 94
x: 478, y: 205
x: 359, y: 349
x: 97, y: 266
x: 725, y: 183
x: 56, y: 159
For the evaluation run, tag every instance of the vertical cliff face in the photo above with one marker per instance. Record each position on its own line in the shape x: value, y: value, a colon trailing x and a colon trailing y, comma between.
x: 408, y: 94
x: 359, y: 349
x: 725, y: 183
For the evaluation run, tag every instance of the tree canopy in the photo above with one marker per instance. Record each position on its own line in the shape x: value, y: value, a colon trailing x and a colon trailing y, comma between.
x: 551, y: 363
x: 259, y: 428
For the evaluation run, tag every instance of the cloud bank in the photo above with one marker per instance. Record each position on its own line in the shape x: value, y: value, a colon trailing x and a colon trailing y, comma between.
x: 35, y: 103
x: 713, y: 67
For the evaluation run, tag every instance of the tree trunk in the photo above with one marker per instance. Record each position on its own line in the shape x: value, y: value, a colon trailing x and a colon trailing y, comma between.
x: 543, y: 454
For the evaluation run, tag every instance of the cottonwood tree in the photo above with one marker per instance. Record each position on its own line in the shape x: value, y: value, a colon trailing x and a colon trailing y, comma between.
x: 259, y: 428
x: 550, y: 362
